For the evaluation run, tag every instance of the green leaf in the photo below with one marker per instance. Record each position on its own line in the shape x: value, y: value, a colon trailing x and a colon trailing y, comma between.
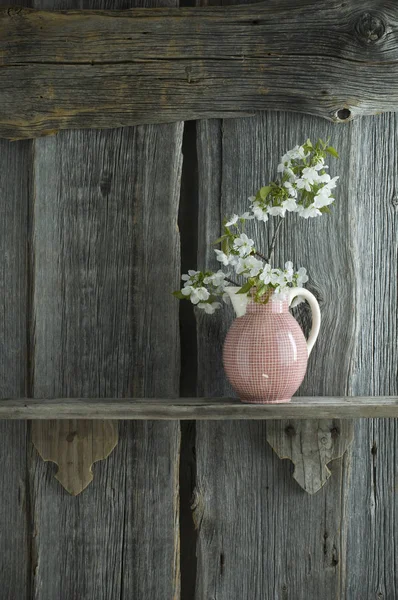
x: 325, y: 209
x: 225, y: 245
x: 245, y: 288
x: 308, y: 143
x: 332, y: 151
x: 264, y: 191
x: 220, y: 239
x: 180, y: 296
x: 261, y: 290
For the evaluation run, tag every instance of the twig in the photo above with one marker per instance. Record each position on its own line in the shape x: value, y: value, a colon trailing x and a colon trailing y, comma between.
x: 273, y: 242
x: 232, y: 281
x: 261, y: 255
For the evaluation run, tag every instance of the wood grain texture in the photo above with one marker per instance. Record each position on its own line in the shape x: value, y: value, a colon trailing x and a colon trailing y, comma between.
x: 311, y: 449
x: 97, y: 254
x: 327, y: 242
x: 98, y: 258
x: 213, y: 409
x: 75, y: 446
x: 243, y: 492
x: 373, y: 498
x: 15, y: 536
x: 102, y: 69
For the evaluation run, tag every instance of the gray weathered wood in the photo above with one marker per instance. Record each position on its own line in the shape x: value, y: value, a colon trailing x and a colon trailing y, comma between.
x: 105, y: 243
x: 108, y: 69
x: 243, y: 491
x: 372, y: 503
x: 301, y: 407
x: 15, y: 532
x: 327, y: 255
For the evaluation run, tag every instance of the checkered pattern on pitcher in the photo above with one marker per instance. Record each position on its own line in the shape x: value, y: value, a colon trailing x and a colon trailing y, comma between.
x: 265, y: 352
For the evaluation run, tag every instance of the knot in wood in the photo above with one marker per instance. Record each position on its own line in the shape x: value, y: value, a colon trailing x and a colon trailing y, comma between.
x: 370, y: 28
x: 14, y: 11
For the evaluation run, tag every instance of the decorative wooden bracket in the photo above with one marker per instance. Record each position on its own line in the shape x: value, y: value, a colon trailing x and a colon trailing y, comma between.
x: 101, y: 69
x: 74, y: 445
x: 310, y: 445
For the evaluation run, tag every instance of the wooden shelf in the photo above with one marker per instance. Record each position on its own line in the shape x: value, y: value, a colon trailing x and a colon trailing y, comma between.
x: 198, y: 408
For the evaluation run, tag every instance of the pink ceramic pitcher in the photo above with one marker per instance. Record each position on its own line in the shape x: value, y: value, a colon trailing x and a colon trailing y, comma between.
x: 265, y: 352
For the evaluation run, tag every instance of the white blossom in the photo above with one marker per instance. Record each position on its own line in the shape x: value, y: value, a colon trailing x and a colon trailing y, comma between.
x: 222, y: 257
x: 249, y: 266
x: 246, y: 216
x: 322, y: 200
x: 320, y: 164
x: 311, y: 211
x: 243, y: 245
x: 332, y: 183
x: 291, y: 189
x: 189, y: 278
x: 277, y: 211
x: 209, y: 307
x: 289, y: 272
x: 196, y: 294
x: 309, y: 176
x: 324, y: 178
x: 265, y: 275
x: 217, y: 279
x: 187, y: 289
x: 259, y: 212
x: 289, y: 205
x: 233, y: 220
x: 199, y: 294
x: 302, y: 277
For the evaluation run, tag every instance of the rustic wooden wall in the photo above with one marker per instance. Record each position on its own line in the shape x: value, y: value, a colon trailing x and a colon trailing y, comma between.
x: 259, y: 535
x: 89, y: 245
x: 88, y: 233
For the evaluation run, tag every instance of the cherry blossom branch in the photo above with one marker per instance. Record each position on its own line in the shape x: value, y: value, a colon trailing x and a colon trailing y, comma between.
x: 232, y: 281
x: 261, y: 256
x: 273, y: 242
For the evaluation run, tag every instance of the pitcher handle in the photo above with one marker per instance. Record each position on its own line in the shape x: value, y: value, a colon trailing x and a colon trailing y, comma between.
x: 316, y: 313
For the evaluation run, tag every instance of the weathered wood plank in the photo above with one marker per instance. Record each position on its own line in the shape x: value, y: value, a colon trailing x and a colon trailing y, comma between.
x: 301, y: 407
x: 106, y: 245
x: 244, y: 492
x: 15, y: 530
x: 98, y: 69
x: 328, y: 242
x: 373, y: 500
x: 98, y: 327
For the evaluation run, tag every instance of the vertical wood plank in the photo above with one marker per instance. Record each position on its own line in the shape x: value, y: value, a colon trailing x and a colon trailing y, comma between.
x: 244, y: 492
x: 106, y: 251
x: 373, y: 533
x: 14, y: 494
x: 106, y: 248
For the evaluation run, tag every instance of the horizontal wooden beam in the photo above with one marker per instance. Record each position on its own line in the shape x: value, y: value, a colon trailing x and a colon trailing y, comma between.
x: 101, y: 69
x: 198, y: 408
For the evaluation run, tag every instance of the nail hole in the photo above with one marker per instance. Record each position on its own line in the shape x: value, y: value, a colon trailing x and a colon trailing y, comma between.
x: 290, y: 431
x: 335, y: 433
x: 343, y: 114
